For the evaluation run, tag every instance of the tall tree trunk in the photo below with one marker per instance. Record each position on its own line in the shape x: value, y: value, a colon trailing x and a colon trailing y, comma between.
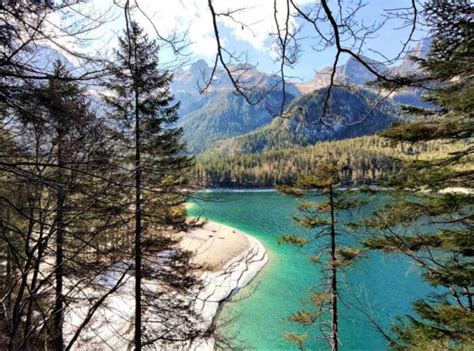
x: 334, y: 338
x: 16, y: 310
x: 9, y: 272
x: 58, y: 312
x: 32, y: 298
x: 138, y: 231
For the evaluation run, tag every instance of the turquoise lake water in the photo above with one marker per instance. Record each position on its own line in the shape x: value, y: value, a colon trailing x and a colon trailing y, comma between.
x: 257, y: 318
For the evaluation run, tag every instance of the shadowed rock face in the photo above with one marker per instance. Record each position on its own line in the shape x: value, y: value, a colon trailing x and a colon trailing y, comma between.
x: 223, y: 114
x: 353, y: 72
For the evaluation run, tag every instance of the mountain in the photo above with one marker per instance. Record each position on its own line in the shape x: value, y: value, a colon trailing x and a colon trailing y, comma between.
x: 220, y: 113
x: 223, y: 114
x: 43, y: 58
x: 352, y: 72
x: 352, y: 114
x: 409, y: 66
x: 193, y: 79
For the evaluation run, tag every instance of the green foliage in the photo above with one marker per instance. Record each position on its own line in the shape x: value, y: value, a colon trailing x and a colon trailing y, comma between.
x: 292, y: 240
x: 311, y: 222
x: 346, y: 255
x: 320, y: 299
x: 429, y: 130
x: 324, y: 177
x: 363, y: 160
x: 296, y: 339
x: 440, y: 327
x: 323, y: 216
x: 304, y: 317
x: 163, y: 165
x: 435, y: 229
x: 288, y: 190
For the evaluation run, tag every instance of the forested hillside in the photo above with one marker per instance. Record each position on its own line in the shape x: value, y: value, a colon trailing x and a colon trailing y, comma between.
x: 350, y: 113
x: 362, y: 160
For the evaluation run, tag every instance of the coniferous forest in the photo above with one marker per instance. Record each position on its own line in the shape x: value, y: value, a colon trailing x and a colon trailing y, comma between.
x: 368, y: 160
x: 117, y: 117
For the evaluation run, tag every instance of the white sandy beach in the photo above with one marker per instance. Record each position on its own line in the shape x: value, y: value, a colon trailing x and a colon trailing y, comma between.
x: 235, y: 259
x: 214, y: 245
x: 230, y: 259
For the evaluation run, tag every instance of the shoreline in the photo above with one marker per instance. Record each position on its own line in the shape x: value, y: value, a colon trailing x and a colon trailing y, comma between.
x: 219, y: 286
x: 449, y: 190
x: 273, y: 190
x: 214, y: 245
x: 235, y: 260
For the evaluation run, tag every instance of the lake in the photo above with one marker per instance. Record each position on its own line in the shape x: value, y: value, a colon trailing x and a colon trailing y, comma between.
x: 257, y: 318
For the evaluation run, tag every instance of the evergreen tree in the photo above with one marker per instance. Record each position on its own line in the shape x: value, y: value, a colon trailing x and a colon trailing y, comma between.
x: 57, y: 204
x: 363, y: 160
x: 84, y: 201
x: 145, y: 112
x: 321, y: 218
x: 436, y: 229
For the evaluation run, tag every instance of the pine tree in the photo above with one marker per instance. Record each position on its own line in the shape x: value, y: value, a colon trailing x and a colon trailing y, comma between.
x: 84, y: 199
x: 53, y: 149
x: 321, y: 217
x: 146, y: 113
x: 435, y: 229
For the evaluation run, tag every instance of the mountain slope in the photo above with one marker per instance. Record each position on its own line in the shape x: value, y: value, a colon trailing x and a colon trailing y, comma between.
x: 224, y: 114
x: 346, y: 110
x: 220, y: 113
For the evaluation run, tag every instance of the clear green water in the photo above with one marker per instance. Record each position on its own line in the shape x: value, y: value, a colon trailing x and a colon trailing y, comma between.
x: 258, y: 316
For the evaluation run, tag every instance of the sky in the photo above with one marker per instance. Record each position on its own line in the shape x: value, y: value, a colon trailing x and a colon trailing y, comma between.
x: 248, y: 33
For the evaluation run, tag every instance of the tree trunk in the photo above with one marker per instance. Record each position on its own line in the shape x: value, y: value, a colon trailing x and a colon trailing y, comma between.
x: 334, y: 338
x: 58, y: 312
x: 33, y: 288
x: 16, y: 314
x: 138, y: 231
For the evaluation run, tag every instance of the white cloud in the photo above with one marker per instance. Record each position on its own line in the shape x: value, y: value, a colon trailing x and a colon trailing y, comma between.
x: 258, y: 19
x: 253, y: 24
x: 194, y: 17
